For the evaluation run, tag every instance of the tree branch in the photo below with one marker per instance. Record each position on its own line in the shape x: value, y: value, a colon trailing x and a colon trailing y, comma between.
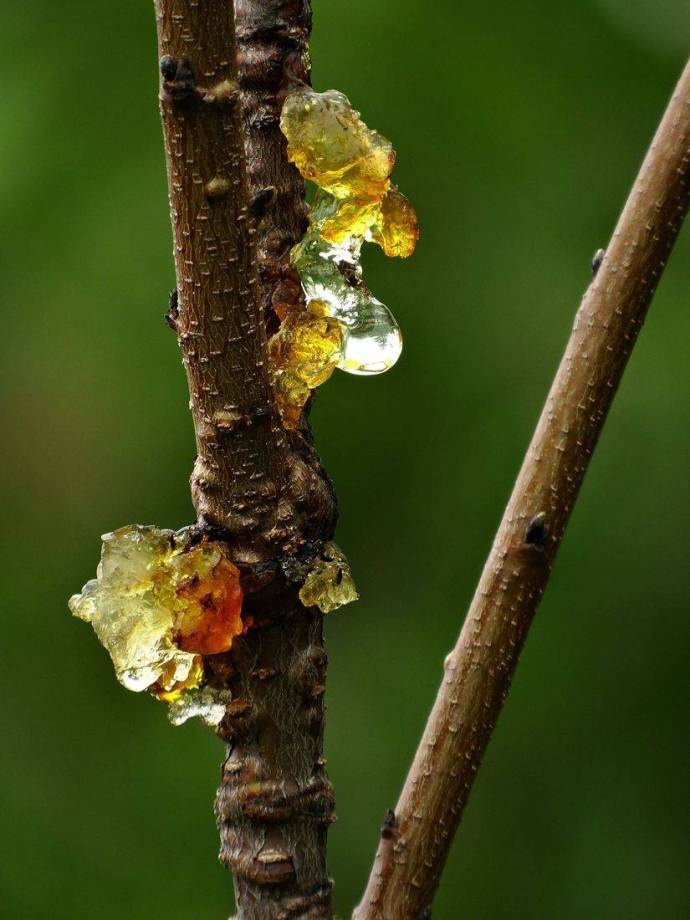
x: 240, y: 466
x: 256, y: 487
x: 416, y: 839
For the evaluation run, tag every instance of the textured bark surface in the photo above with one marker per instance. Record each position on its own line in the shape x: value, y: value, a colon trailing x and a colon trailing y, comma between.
x: 240, y: 469
x: 272, y: 44
x: 416, y: 838
x: 275, y: 801
x: 258, y: 488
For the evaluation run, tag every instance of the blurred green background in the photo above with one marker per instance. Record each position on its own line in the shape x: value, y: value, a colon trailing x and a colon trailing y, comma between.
x: 519, y: 128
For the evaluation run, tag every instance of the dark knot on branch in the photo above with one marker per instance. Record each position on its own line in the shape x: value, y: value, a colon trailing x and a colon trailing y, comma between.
x: 179, y: 84
x: 389, y: 827
x: 597, y: 259
x: 179, y: 81
x: 173, y: 311
x: 537, y: 532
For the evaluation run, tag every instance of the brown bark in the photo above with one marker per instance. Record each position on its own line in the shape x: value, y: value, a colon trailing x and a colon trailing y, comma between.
x: 275, y: 801
x: 255, y: 486
x: 415, y: 839
x: 272, y: 43
x: 240, y: 469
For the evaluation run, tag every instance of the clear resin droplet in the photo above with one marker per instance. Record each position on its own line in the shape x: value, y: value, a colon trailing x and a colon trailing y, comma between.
x: 373, y: 343
x: 303, y: 354
x: 332, y: 276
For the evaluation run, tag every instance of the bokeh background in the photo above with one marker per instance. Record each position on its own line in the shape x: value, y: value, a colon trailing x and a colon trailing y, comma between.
x: 519, y: 128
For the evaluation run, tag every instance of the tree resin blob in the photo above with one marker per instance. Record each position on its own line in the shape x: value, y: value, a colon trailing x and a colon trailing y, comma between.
x: 158, y: 604
x: 328, y: 583
x: 351, y: 165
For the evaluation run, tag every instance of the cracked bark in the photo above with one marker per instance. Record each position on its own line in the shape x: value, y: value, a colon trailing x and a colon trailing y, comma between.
x: 416, y: 838
x: 237, y: 206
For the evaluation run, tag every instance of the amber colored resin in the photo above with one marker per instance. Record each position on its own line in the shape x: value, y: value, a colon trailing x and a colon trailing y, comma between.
x: 351, y: 164
x: 304, y: 354
x: 208, y: 603
x: 159, y: 603
x: 396, y: 229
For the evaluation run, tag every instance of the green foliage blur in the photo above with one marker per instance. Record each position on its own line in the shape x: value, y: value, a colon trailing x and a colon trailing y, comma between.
x: 519, y: 128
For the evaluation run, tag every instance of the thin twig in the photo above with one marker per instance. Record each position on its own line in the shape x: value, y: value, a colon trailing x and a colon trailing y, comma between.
x: 415, y: 840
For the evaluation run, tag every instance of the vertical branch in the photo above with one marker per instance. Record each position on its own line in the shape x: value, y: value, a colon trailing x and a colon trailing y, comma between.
x: 275, y: 802
x: 241, y: 463
x: 416, y: 839
x: 257, y: 487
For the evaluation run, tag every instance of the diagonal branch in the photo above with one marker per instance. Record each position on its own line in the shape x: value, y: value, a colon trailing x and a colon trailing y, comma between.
x: 416, y: 839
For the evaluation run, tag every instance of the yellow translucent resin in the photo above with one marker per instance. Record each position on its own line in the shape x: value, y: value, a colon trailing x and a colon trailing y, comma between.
x: 158, y: 604
x: 351, y: 164
x: 329, y: 583
x: 304, y: 354
x: 330, y: 144
x: 396, y: 228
